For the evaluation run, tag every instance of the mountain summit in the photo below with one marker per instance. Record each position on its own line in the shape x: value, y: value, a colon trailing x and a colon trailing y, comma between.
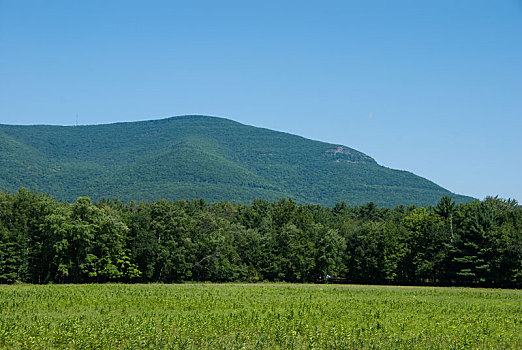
x: 199, y: 157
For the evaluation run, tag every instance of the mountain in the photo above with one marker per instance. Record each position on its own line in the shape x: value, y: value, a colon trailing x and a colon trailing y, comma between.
x: 199, y: 157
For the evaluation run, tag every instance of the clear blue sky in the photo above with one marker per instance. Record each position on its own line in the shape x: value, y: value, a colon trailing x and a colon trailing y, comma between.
x: 433, y: 87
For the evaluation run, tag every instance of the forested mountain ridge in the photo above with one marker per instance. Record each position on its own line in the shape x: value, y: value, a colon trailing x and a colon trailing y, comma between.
x: 199, y: 157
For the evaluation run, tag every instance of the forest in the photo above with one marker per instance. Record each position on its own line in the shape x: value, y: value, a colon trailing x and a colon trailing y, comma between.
x: 200, y: 157
x: 43, y: 240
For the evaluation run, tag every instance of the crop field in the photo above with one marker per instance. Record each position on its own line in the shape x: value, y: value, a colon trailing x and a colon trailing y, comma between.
x: 258, y: 316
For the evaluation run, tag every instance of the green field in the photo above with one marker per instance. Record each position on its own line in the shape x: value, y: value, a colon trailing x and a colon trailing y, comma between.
x: 258, y: 316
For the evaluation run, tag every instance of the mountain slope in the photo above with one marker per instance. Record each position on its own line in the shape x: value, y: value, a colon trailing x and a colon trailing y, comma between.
x: 199, y: 157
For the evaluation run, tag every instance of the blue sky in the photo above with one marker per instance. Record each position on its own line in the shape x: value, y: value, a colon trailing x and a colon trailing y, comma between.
x: 433, y: 87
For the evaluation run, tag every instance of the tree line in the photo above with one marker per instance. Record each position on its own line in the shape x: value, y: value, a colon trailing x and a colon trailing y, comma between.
x: 43, y: 240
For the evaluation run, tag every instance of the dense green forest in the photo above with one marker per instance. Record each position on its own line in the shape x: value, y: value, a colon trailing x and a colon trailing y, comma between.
x: 192, y: 157
x: 43, y: 240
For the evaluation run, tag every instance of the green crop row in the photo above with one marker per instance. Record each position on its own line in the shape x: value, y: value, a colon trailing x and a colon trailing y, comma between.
x: 258, y: 316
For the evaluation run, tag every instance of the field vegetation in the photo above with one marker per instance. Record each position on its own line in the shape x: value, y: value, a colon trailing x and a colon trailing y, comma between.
x: 258, y: 316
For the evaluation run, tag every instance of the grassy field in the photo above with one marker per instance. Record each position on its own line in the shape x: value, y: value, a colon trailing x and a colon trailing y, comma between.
x: 260, y: 316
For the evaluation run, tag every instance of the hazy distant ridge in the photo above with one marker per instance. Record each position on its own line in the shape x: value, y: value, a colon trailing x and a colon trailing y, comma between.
x: 199, y: 157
